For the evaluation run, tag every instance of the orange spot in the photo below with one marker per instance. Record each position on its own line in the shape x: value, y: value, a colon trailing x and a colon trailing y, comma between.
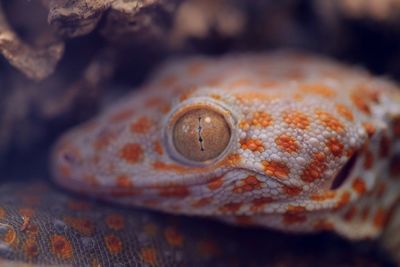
x: 295, y: 74
x: 232, y: 159
x: 153, y: 101
x: 252, y: 144
x: 83, y: 226
x: 373, y: 96
x: 9, y: 236
x: 157, y: 102
x: 350, y: 152
x: 369, y: 128
x: 79, y: 205
x: 368, y: 159
x: 61, y: 247
x: 123, y: 181
x: 132, y: 153
x: 295, y: 209
x: 323, y: 224
x: 359, y: 99
x: 103, y: 139
x: 259, y: 204
x: 349, y: 214
x: 267, y: 84
x: 293, y: 218
x: 323, y: 196
x: 173, y: 237
x: 248, y: 184
x: 345, y: 112
x: 121, y: 115
x: 141, y: 126
x: 315, y: 169
x: 31, y: 248
x: 291, y: 190
x: 317, y: 89
x: 275, y: 169
x: 245, y: 125
x: 241, y: 83
x: 335, y: 146
x: 359, y: 185
x: 253, y: 96
x: 243, y: 220
x: 115, y: 221
x: 202, y: 202
x: 365, y: 213
x: 113, y: 244
x: 296, y: 119
x: 329, y: 121
x: 169, y: 80
x: 185, y: 95
x: 384, y: 146
x: 214, y: 82
x: 260, y: 119
x: 287, y: 143
x: 215, y: 183
x: 158, y: 148
x: 344, y: 199
x: 148, y: 255
x: 230, y: 207
x: 380, y: 218
x: 195, y: 68
x: 2, y: 213
x: 64, y: 170
x: 174, y: 191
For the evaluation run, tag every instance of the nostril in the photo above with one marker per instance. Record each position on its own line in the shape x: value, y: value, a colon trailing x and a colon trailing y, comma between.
x: 68, y: 157
x: 344, y: 173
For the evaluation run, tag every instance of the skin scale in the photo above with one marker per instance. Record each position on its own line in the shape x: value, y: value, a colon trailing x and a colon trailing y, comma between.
x: 308, y: 145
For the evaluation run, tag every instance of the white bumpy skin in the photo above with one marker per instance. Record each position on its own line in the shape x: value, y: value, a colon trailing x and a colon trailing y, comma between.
x: 286, y: 140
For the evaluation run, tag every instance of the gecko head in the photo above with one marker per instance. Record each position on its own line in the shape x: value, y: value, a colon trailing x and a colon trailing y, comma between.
x: 217, y: 152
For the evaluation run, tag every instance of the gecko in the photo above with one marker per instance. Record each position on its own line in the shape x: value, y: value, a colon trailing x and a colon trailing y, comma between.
x: 285, y: 140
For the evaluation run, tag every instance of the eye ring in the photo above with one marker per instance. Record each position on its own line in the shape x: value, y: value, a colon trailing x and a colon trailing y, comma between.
x: 199, y: 132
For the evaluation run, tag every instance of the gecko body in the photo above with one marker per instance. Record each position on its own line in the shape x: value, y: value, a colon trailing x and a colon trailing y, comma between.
x: 285, y: 140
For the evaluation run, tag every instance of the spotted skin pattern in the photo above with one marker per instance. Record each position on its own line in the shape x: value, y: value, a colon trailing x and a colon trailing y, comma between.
x: 78, y: 231
x: 314, y: 146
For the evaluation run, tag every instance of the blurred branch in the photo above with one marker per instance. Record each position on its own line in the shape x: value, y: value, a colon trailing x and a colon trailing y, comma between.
x: 35, y: 62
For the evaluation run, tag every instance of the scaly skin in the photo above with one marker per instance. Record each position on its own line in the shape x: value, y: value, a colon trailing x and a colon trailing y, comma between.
x: 43, y: 226
x: 314, y: 145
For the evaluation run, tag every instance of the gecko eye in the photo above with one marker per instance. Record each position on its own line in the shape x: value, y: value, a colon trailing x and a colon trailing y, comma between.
x: 200, y: 134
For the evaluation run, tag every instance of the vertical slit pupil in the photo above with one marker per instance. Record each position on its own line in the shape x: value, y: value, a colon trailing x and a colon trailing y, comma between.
x: 200, y: 138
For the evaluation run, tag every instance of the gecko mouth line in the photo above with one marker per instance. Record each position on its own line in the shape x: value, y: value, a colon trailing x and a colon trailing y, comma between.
x: 344, y: 173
